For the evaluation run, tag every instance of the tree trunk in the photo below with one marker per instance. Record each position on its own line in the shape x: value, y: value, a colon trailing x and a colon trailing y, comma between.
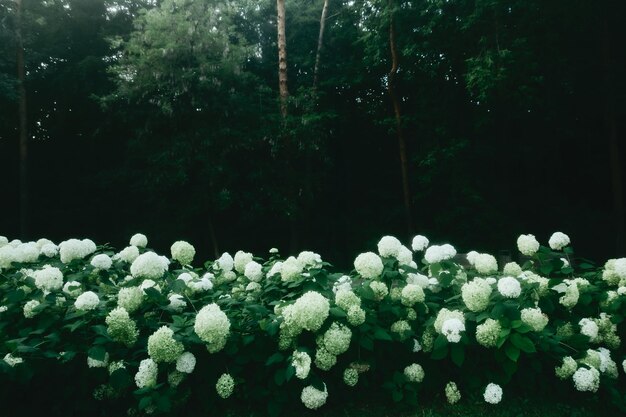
x: 282, y: 59
x: 613, y: 143
x: 391, y: 79
x: 23, y: 134
x: 320, y: 43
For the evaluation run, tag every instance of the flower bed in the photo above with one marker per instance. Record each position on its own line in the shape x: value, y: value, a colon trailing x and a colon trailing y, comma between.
x: 154, y: 333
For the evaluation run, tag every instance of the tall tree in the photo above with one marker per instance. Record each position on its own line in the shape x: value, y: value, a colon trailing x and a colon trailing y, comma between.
x: 23, y: 133
x: 282, y: 58
x: 320, y: 43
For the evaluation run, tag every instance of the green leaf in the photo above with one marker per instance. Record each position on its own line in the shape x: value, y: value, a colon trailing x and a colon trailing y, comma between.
x: 275, y: 358
x: 289, y: 372
x: 382, y: 334
x: 511, y: 352
x: 337, y: 312
x: 145, y: 402
x: 367, y: 343
x: 457, y: 352
x: 523, y: 343
x: 97, y: 353
x: 397, y: 395
x: 279, y: 376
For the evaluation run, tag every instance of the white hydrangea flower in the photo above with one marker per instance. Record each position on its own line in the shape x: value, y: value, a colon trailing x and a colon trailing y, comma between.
x: 485, y: 263
x: 452, y: 329
x: 128, y: 254
x: 12, y: 360
x: 350, y: 377
x: 570, y: 298
x: 203, y: 284
x: 253, y: 271
x: 620, y: 268
x: 3, y: 241
x: 87, y: 301
x: 309, y: 259
x: 95, y: 363
x: 380, y: 289
x: 3, y: 309
x: 405, y: 257
x: 130, y: 298
x: 313, y: 398
x: 274, y: 251
x: 488, y: 333
x: 509, y: 287
x: 7, y: 255
x: 368, y: 265
x: 241, y: 260
x: 527, y: 244
x: 412, y: 294
x: 121, y: 327
x: 417, y: 279
x: 337, y: 338
x: 225, y: 262
x: 213, y: 327
x: 512, y: 269
x: 436, y: 253
x: 558, y: 241
x: 48, y: 279
x: 186, y: 363
x: 139, y: 240
x: 275, y: 269
x: 416, y: 346
x: 420, y: 243
x: 29, y: 308
x: 414, y: 373
x: 49, y: 250
x: 490, y: 280
x: 471, y: 257
x: 389, y: 246
x: 148, y: 283
x: 149, y: 265
x: 589, y: 328
x: 72, y: 249
x: 344, y: 283
x: 476, y: 294
x: 301, y: 361
x: 586, y: 379
x: 308, y: 312
x: 453, y: 395
x: 444, y: 314
x: 493, y: 393
x: 162, y: 347
x: 177, y: 303
x: 26, y: 253
x: 72, y: 288
x: 534, y: 318
x: 101, y: 261
x: 225, y: 386
x: 146, y: 376
x: 183, y: 252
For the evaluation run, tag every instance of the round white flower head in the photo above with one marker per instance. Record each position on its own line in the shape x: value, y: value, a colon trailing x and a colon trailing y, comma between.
x: 3, y: 241
x: 570, y: 298
x: 308, y: 312
x: 274, y: 251
x: 203, y: 284
x: 471, y: 257
x: 12, y: 360
x: 253, y: 271
x: 586, y: 379
x: 121, y: 327
x: 213, y: 327
x: 558, y: 241
x: 75, y: 249
x: 26, y: 253
x: 475, y: 294
x: 567, y: 368
x: 253, y: 286
x: 87, y: 301
x: 337, y: 339
x: 405, y: 256
x: 313, y: 398
x: 412, y: 294
x: 225, y: 386
x: 527, y: 244
x: 535, y: 318
x: 29, y: 308
x: 309, y: 259
x: 49, y: 250
x: 452, y: 329
x: 148, y: 283
x: 417, y: 279
x: 183, y: 252
x: 290, y: 269
x: 241, y: 260
x: 186, y: 363
x: 420, y: 243
x: 453, y: 395
x: 177, y: 303
x: 356, y: 316
x: 444, y: 315
x: 485, y: 264
x: 48, y: 279
x: 589, y: 328
x: 162, y: 347
x: 301, y: 361
x: 509, y: 287
x: 350, y: 377
x: 324, y: 360
x: 624, y: 365
x: 149, y: 265
x: 101, y: 261
x: 346, y: 299
x: 512, y: 269
x: 414, y: 373
x: 389, y: 246
x: 493, y: 393
x: 139, y: 240
x: 128, y: 254
x: 380, y: 289
x: 225, y: 262
x: 7, y: 255
x: 368, y: 265
x: 130, y: 298
x: 436, y: 253
x: 488, y: 333
x: 620, y: 268
x: 3, y: 309
x: 416, y: 346
x: 146, y: 376
x: 72, y: 288
x: 275, y: 269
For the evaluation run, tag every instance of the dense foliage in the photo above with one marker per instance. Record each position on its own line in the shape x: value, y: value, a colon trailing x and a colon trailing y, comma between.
x: 141, y: 110
x: 142, y: 332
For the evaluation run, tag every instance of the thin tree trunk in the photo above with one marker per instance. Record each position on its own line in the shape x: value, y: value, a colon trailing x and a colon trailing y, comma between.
x: 282, y: 59
x: 320, y: 43
x: 613, y: 142
x: 23, y: 134
x: 391, y: 79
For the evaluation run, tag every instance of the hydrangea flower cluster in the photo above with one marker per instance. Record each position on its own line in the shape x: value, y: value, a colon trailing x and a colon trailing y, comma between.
x: 368, y: 265
x: 225, y: 386
x: 493, y: 393
x: 558, y: 241
x: 213, y: 327
x: 149, y: 265
x: 336, y: 339
x: 453, y: 395
x: 476, y: 294
x: 186, y: 363
x: 485, y: 263
x: 313, y: 398
x: 414, y: 373
x: 509, y: 287
x: 350, y: 377
x: 301, y: 361
x: 162, y: 347
x: 183, y: 252
x: 412, y: 294
x: 534, y: 318
x: 146, y: 376
x: 436, y: 253
x: 121, y: 327
x: 527, y: 245
x: 87, y: 301
x: 48, y: 279
x: 488, y: 333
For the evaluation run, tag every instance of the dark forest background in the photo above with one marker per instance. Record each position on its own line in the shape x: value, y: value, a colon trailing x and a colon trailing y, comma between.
x: 164, y: 117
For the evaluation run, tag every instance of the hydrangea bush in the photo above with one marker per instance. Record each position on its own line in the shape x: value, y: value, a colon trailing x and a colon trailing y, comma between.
x: 154, y: 333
